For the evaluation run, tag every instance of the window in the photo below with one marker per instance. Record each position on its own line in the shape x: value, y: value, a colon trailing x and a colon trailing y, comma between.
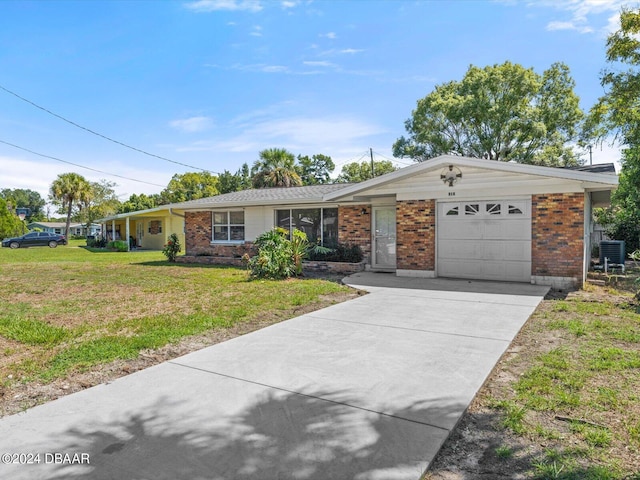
x: 471, y: 209
x: 155, y: 227
x: 493, y: 208
x: 453, y: 211
x: 513, y: 210
x: 228, y: 226
x: 319, y: 224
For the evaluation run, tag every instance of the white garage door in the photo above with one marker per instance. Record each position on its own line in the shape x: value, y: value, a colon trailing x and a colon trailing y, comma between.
x: 489, y: 240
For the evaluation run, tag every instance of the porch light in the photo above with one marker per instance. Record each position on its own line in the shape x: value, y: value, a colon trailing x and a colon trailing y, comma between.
x: 451, y: 175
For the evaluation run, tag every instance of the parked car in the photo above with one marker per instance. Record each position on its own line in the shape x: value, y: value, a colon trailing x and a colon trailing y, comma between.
x: 35, y: 239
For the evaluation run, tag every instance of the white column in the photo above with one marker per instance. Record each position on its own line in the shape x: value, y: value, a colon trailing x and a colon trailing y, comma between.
x: 128, y: 234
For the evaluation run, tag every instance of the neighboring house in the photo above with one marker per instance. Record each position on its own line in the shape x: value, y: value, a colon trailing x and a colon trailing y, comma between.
x: 78, y: 229
x: 149, y: 229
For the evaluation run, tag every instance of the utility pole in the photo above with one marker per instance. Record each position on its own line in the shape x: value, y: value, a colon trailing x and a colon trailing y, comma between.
x: 590, y: 155
x: 373, y: 173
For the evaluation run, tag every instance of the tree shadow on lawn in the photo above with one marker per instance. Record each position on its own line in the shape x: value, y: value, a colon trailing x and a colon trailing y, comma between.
x: 281, y: 436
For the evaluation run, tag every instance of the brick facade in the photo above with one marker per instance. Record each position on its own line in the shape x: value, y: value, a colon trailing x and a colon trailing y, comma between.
x: 557, y: 235
x: 198, y: 235
x: 416, y: 235
x: 354, y: 227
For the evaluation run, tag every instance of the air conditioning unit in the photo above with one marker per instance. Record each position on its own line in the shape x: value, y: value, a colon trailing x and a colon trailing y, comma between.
x: 613, y: 250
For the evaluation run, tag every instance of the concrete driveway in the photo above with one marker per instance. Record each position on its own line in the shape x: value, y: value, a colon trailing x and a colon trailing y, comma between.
x: 367, y: 389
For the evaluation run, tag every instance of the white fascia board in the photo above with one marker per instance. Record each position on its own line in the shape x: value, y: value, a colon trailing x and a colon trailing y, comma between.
x: 445, y: 160
x: 282, y: 202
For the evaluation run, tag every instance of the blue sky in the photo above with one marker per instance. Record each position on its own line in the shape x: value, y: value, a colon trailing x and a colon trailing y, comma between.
x: 210, y: 83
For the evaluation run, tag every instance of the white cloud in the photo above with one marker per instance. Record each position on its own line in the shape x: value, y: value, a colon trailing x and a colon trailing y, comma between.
x: 297, y: 134
x: 551, y: 26
x: 257, y: 31
x: 319, y: 64
x: 583, y: 14
x: 193, y: 124
x: 330, y: 35
x: 289, y: 3
x: 43, y: 172
x: 229, y: 5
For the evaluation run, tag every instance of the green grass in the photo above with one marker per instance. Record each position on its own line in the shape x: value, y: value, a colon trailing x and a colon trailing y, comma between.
x: 69, y: 309
x: 578, y: 389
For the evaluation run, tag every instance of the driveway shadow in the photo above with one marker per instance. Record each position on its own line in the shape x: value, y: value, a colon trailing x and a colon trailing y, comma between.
x: 282, y: 436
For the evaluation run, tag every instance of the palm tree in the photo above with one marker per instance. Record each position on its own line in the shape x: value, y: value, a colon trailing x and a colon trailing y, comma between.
x: 275, y: 168
x: 69, y: 189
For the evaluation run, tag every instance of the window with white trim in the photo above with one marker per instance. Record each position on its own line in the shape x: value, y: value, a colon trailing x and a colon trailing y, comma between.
x: 319, y: 224
x: 228, y: 226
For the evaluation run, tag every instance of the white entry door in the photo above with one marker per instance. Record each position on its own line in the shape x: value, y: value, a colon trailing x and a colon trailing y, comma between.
x: 139, y: 233
x: 489, y: 240
x: 384, y: 238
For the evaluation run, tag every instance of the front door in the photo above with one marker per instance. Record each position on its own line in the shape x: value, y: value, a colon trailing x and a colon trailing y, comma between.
x: 139, y: 232
x: 384, y: 238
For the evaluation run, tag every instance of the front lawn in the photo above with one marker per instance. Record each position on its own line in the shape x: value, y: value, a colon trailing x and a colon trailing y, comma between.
x: 69, y: 312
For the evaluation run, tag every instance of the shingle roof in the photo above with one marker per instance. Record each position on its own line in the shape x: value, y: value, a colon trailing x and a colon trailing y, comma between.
x: 598, y: 168
x: 310, y: 193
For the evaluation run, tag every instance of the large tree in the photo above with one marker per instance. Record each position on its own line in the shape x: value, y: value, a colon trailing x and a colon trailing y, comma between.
x: 25, y: 198
x: 69, y: 191
x: 501, y: 112
x: 139, y: 202
x: 10, y: 224
x: 617, y: 113
x: 359, y: 172
x: 190, y: 186
x: 100, y: 201
x: 316, y: 169
x: 233, y: 182
x: 276, y: 167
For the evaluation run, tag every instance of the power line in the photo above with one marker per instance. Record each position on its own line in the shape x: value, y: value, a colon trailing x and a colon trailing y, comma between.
x: 393, y: 160
x: 101, y: 135
x: 80, y: 166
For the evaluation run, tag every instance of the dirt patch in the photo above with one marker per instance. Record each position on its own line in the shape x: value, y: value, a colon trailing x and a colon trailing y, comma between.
x: 20, y: 396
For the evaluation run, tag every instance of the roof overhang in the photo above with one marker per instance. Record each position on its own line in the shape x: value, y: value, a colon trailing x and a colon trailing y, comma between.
x: 588, y: 180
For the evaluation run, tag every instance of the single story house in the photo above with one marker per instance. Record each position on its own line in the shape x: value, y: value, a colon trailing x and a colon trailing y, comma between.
x: 79, y: 229
x: 449, y: 216
x: 149, y: 229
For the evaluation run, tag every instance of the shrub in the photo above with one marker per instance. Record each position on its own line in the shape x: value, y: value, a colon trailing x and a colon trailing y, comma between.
x: 118, y: 245
x: 278, y: 257
x: 172, y: 248
x: 342, y: 252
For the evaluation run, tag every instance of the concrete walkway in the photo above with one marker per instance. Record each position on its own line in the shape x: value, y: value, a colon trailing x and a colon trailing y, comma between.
x: 367, y: 389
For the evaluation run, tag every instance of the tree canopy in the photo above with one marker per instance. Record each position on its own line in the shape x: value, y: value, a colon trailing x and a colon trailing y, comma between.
x: 190, y: 186
x: 234, y: 182
x: 618, y: 113
x: 10, y: 224
x: 359, y: 172
x: 25, y: 198
x: 139, y: 202
x: 275, y: 167
x: 100, y: 201
x: 315, y: 170
x: 69, y: 191
x: 500, y: 112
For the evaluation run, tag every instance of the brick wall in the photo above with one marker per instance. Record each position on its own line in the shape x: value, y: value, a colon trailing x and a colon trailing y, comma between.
x: 557, y: 234
x: 415, y: 231
x: 198, y: 235
x: 354, y: 227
